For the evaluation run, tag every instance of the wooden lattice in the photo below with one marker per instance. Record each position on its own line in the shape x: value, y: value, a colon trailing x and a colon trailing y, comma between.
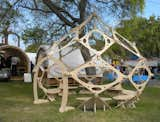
x: 124, y: 97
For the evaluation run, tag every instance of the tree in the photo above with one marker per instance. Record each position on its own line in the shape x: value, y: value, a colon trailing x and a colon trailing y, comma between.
x: 34, y: 37
x: 145, y: 33
x: 73, y: 12
x: 69, y: 13
x: 8, y: 17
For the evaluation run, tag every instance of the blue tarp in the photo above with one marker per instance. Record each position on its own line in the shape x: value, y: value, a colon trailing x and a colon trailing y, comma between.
x: 139, y: 78
x: 111, y: 76
x: 136, y: 78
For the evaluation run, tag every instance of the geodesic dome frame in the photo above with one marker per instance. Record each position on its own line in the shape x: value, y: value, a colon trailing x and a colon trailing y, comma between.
x: 44, y: 65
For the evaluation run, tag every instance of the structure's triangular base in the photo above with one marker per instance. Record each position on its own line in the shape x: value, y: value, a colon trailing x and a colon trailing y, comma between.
x: 94, y: 103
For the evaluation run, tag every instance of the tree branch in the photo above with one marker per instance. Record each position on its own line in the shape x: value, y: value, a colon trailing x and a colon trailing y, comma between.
x: 36, y: 9
x: 105, y: 2
x: 13, y: 33
x: 57, y: 10
x: 51, y: 25
x: 11, y: 6
x: 35, y: 3
x: 82, y: 10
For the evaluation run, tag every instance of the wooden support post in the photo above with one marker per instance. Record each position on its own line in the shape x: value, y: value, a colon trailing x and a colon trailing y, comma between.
x: 95, y: 107
x: 104, y: 108
x: 64, y: 94
x: 84, y: 109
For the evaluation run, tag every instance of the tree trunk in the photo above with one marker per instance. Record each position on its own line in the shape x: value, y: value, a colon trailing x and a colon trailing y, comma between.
x: 85, y: 52
x: 86, y: 56
x: 18, y: 43
x: 82, y: 12
x: 6, y: 39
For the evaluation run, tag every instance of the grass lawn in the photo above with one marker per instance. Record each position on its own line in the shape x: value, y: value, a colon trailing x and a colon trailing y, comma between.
x: 16, y: 106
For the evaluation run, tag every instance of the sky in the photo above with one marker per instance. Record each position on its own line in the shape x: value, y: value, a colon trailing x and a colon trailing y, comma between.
x: 152, y: 7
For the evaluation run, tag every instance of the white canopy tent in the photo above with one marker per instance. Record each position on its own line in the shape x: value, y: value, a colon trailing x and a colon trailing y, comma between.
x: 32, y: 57
x: 150, y: 62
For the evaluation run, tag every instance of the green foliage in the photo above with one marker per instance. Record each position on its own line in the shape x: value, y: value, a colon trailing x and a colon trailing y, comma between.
x: 59, y: 16
x: 34, y: 37
x: 144, y: 32
x: 8, y: 14
x: 116, y: 52
x: 96, y: 41
x: 127, y: 8
x: 136, y: 6
x: 32, y: 48
x: 8, y: 19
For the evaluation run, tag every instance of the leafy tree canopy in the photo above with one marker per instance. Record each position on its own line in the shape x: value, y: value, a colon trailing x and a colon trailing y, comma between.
x: 144, y: 32
x: 58, y: 16
x: 8, y: 20
x: 34, y: 37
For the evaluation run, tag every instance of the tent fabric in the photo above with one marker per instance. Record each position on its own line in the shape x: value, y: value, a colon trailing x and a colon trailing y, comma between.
x: 32, y: 57
x: 149, y: 62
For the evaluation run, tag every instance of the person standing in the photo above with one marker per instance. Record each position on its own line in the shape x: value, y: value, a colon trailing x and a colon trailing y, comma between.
x: 14, y: 62
x: 2, y: 61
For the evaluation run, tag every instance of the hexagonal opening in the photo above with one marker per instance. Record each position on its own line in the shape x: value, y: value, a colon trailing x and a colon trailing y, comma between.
x: 140, y: 76
x: 96, y: 41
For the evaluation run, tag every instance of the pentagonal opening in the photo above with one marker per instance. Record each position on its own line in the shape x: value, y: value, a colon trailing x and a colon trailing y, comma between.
x: 50, y: 84
x: 125, y: 42
x: 126, y: 84
x: 101, y: 76
x: 49, y: 79
x: 126, y: 69
x: 109, y: 76
x: 120, y: 58
x: 140, y: 76
x: 96, y: 41
x: 74, y: 55
x: 90, y: 75
x: 49, y: 72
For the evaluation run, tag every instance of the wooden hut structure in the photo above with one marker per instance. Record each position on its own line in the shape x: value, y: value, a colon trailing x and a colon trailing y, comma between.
x: 24, y: 64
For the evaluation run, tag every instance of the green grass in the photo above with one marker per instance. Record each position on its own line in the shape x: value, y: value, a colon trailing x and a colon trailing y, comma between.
x: 16, y: 106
